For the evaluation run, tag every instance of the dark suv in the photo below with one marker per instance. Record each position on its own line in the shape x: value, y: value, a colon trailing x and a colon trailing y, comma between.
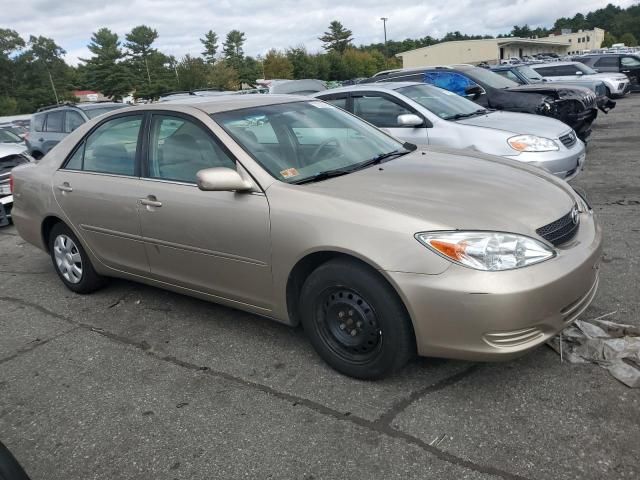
x: 575, y: 106
x: 626, y: 63
x: 51, y: 124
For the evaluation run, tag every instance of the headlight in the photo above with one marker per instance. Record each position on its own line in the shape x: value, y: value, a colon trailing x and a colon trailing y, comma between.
x: 531, y: 143
x: 488, y: 251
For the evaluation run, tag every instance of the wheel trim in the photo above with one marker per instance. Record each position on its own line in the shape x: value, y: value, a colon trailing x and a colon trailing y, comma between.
x: 68, y: 259
x: 348, y: 325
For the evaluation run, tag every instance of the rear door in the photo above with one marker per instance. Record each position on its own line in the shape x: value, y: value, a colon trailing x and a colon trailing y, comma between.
x: 382, y: 110
x: 607, y: 63
x: 98, y: 189
x: 212, y: 242
x: 630, y: 66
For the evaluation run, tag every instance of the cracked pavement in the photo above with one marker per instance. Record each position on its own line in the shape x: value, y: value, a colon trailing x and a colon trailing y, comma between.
x: 133, y: 382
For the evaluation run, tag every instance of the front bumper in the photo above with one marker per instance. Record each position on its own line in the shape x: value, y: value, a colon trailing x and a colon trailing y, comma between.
x: 565, y: 163
x: 619, y: 88
x: 6, y: 203
x: 474, y: 315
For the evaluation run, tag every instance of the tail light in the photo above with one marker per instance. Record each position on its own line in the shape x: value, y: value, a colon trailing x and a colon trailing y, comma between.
x: 11, y: 183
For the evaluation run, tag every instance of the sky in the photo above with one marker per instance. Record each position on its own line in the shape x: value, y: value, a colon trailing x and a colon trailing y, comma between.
x: 278, y: 23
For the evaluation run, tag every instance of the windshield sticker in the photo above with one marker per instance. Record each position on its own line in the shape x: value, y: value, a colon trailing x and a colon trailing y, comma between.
x: 321, y: 105
x: 289, y: 172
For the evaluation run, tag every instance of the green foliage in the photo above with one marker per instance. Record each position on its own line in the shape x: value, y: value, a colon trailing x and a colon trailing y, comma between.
x: 277, y: 65
x: 223, y: 77
x: 609, y: 40
x: 629, y: 40
x: 210, y: 43
x: 105, y: 71
x: 337, y: 39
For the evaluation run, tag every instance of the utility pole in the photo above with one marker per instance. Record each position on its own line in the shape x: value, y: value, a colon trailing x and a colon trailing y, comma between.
x: 55, y: 93
x: 384, y: 25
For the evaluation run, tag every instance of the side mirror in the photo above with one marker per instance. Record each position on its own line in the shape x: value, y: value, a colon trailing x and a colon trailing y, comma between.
x: 579, y: 72
x: 473, y: 91
x: 409, y: 120
x: 222, y: 179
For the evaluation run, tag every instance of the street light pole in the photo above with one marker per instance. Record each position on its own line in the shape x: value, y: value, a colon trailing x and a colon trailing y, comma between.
x: 384, y: 24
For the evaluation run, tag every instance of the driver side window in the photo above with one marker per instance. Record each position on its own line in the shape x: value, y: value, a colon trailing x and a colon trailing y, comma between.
x: 379, y: 111
x: 179, y: 149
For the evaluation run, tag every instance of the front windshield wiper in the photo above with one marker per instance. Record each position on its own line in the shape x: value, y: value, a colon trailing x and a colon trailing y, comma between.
x: 458, y: 116
x: 343, y: 171
x: 323, y: 176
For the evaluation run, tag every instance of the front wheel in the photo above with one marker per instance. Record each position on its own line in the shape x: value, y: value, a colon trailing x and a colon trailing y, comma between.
x: 355, y: 320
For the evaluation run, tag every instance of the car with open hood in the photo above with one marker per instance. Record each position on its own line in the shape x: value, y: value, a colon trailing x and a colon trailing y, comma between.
x: 426, y: 115
x: 293, y: 209
x: 12, y: 154
x: 574, y: 106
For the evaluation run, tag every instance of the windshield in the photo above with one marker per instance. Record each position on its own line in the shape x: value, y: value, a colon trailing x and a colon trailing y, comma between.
x: 445, y: 104
x: 7, y: 137
x: 530, y: 74
x: 300, y: 140
x: 583, y: 68
x: 94, y: 112
x: 492, y: 79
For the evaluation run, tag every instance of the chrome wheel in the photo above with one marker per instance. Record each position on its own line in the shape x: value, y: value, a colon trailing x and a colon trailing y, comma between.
x: 68, y: 258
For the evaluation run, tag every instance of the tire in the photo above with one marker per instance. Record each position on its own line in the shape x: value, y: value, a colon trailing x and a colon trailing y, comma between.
x: 608, y: 92
x: 355, y: 320
x: 10, y: 469
x: 71, y: 262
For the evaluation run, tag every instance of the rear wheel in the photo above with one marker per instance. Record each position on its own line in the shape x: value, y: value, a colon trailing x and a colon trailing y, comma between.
x: 10, y: 469
x: 71, y: 261
x: 608, y: 92
x: 355, y: 320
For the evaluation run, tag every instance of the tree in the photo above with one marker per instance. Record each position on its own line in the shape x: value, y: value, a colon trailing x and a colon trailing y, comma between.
x: 105, y: 71
x: 10, y: 41
x: 629, y: 40
x: 192, y: 73
x: 232, y: 47
x: 337, y: 39
x: 210, y: 43
x: 139, y: 41
x: 277, y: 65
x: 609, y: 40
x: 223, y: 77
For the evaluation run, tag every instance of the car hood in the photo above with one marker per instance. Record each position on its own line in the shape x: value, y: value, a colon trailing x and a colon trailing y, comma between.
x: 552, y: 90
x: 519, y: 123
x: 443, y: 189
x: 7, y: 149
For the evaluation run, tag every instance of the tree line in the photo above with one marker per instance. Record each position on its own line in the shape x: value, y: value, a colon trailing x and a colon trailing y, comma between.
x: 33, y: 72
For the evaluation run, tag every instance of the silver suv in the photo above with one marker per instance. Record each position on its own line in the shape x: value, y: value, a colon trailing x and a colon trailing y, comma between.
x: 617, y: 84
x: 49, y: 125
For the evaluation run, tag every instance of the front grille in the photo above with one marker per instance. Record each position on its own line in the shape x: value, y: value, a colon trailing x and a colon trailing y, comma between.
x: 568, y: 140
x: 562, y: 230
x: 589, y: 101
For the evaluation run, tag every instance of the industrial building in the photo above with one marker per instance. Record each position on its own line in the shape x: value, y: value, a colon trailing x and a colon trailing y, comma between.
x: 493, y: 50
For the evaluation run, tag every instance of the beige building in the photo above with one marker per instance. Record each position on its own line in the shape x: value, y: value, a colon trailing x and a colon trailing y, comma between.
x: 495, y: 49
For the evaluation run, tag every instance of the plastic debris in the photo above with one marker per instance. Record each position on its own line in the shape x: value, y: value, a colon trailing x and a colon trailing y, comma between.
x: 614, y: 346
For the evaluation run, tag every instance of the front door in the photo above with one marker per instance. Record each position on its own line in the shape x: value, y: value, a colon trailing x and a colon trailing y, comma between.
x: 98, y: 189
x: 212, y: 242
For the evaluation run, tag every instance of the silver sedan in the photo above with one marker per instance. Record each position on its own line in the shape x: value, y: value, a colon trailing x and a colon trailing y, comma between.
x: 427, y: 115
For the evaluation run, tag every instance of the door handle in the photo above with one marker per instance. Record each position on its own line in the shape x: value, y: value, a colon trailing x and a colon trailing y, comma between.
x: 150, y: 201
x: 65, y: 188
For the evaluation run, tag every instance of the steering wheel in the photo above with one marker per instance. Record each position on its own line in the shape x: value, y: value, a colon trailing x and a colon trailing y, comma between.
x: 322, y: 145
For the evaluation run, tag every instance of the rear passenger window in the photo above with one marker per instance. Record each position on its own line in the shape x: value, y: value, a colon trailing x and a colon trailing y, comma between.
x: 38, y: 122
x: 379, y: 111
x: 607, y: 62
x: 54, y: 121
x: 111, y: 148
x: 179, y: 149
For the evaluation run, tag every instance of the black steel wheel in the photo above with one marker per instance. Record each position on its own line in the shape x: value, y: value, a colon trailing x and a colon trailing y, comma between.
x: 355, y: 320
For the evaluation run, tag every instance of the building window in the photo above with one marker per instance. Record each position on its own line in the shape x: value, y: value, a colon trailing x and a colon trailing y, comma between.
x: 588, y: 39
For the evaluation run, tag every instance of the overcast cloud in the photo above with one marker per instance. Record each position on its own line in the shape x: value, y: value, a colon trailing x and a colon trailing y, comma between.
x: 278, y: 23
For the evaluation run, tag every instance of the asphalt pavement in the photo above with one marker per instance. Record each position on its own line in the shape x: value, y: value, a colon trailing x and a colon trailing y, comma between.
x: 133, y: 382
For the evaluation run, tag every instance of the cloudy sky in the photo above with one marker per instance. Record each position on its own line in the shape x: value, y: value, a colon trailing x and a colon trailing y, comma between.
x: 277, y: 23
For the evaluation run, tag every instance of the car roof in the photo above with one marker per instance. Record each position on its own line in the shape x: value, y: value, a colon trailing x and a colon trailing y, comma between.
x: 369, y: 86
x: 93, y: 106
x: 553, y: 64
x: 224, y: 103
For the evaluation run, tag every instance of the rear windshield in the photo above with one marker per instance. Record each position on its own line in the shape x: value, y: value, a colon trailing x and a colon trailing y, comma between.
x: 94, y: 112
